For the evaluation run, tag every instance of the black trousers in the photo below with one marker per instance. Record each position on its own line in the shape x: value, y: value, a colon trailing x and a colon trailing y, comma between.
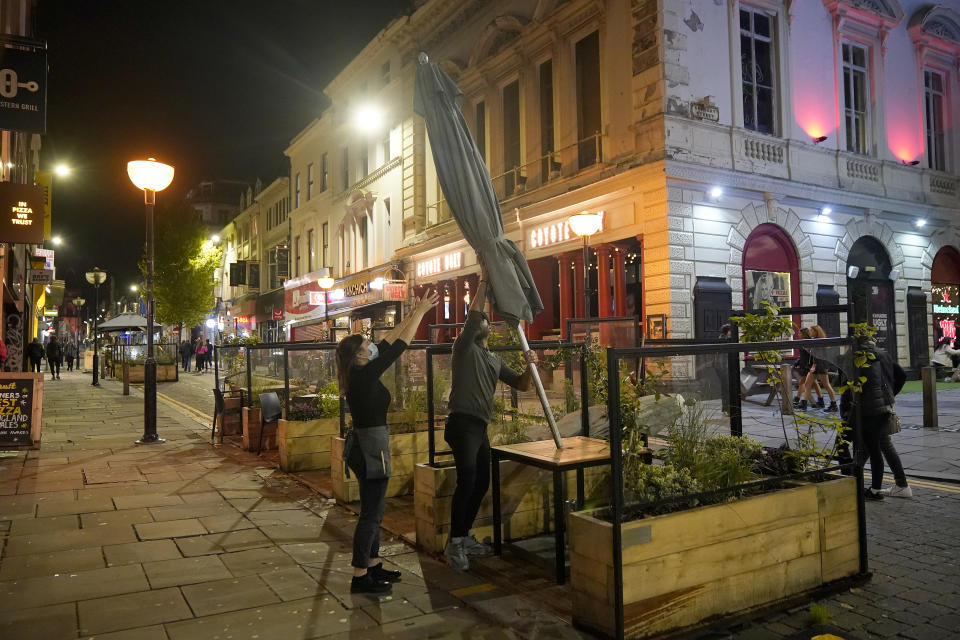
x: 54, y: 365
x: 878, y: 446
x: 467, y: 437
x: 34, y: 365
x: 69, y: 363
x: 373, y: 502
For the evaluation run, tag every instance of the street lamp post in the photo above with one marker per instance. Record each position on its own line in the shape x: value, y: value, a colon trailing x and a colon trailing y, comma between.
x: 585, y: 224
x: 150, y: 176
x: 96, y: 278
x: 78, y: 303
x: 325, y: 281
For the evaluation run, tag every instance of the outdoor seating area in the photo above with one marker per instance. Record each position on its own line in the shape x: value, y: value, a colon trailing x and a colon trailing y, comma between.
x: 658, y: 416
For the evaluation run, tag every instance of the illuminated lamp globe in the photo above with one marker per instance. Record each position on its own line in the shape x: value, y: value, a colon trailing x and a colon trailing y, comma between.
x: 211, y: 323
x: 325, y: 280
x: 368, y: 118
x: 586, y: 223
x: 150, y: 175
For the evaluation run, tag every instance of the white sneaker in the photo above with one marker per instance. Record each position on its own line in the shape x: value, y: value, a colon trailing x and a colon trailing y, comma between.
x: 897, y: 491
x: 473, y: 547
x: 456, y: 557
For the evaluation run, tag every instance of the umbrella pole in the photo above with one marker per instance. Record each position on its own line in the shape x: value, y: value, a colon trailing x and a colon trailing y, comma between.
x: 540, y: 392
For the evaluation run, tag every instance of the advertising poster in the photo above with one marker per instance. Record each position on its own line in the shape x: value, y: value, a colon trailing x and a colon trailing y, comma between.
x: 20, y: 399
x: 766, y: 286
x: 946, y: 310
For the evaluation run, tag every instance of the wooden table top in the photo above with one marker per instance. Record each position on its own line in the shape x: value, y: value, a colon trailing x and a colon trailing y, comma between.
x: 576, y: 449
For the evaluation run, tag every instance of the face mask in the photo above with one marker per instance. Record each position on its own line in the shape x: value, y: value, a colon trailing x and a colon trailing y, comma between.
x: 374, y: 352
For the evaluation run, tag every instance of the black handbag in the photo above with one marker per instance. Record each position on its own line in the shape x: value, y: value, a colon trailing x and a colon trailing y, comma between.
x: 374, y: 445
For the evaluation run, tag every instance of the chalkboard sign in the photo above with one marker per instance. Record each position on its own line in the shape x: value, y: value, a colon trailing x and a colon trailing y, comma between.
x: 20, y: 401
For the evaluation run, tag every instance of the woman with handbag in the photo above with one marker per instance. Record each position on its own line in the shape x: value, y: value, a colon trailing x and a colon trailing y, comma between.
x: 884, y: 379
x: 360, y: 363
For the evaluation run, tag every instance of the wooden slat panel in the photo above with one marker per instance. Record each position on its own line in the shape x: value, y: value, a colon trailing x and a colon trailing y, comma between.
x: 839, y: 530
x: 837, y: 496
x: 306, y: 444
x: 841, y: 562
x: 694, y: 567
x: 689, y: 606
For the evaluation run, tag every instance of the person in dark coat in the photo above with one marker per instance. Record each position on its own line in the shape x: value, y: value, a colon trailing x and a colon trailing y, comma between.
x: 360, y: 363
x: 54, y: 357
x: 186, y: 352
x: 35, y: 354
x: 884, y: 379
x: 70, y: 353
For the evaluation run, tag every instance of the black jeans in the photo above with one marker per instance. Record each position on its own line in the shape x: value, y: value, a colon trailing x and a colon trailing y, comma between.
x: 373, y: 502
x: 467, y: 437
x: 34, y: 365
x: 54, y: 365
x: 69, y: 363
x: 878, y: 446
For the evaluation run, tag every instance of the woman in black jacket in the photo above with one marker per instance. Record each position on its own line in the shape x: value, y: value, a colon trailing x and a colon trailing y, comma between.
x: 884, y: 379
x: 360, y: 363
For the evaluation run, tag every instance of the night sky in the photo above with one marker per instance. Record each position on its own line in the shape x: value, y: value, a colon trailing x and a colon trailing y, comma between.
x: 216, y: 88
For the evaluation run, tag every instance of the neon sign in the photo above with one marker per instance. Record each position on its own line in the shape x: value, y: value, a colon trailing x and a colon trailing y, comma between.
x: 440, y: 264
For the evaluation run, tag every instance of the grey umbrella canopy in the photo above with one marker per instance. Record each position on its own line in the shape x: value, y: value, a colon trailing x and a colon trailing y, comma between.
x: 124, y: 322
x: 469, y: 193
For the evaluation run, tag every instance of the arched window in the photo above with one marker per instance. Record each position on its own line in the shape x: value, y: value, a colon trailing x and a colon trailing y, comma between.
x: 771, y: 269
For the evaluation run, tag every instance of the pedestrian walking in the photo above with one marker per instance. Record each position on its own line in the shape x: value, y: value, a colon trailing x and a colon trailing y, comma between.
x: 879, y: 420
x: 360, y: 363
x: 70, y: 354
x: 819, y: 373
x: 200, y: 354
x: 207, y: 355
x: 803, y: 366
x: 54, y: 357
x: 474, y: 381
x: 946, y: 356
x: 35, y: 354
x: 186, y: 352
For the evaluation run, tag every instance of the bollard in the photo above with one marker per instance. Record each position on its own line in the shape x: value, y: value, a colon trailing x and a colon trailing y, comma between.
x: 929, y: 376
x: 786, y: 392
x: 126, y: 379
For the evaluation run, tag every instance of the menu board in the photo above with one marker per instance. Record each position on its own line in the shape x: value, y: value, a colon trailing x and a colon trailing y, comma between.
x: 19, y: 408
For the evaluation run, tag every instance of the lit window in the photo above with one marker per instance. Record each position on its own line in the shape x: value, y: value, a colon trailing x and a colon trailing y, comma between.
x: 856, y: 99
x: 934, y: 100
x: 758, y: 70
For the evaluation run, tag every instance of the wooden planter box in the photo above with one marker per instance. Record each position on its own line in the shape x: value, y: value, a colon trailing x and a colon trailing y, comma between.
x: 682, y: 568
x: 251, y: 431
x: 305, y: 444
x: 406, y: 450
x: 526, y: 502
x: 165, y: 373
x: 232, y: 424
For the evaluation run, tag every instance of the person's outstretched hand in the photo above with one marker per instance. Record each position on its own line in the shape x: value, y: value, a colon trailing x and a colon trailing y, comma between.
x: 427, y: 302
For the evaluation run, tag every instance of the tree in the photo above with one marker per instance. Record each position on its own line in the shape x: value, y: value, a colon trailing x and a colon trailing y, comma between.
x: 184, y: 265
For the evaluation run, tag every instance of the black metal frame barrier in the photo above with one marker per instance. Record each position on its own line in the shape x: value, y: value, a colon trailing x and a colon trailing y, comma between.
x: 734, y: 349
x: 447, y: 348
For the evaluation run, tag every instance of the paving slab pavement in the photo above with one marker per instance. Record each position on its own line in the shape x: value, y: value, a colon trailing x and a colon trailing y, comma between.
x: 186, y: 540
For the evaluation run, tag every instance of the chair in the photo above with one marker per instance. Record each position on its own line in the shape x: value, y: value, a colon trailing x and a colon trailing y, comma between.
x: 270, y: 411
x: 219, y: 409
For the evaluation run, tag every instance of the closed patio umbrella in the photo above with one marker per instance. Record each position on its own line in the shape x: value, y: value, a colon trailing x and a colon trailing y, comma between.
x: 469, y: 192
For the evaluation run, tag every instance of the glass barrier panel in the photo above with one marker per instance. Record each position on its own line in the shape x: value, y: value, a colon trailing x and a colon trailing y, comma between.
x: 314, y: 392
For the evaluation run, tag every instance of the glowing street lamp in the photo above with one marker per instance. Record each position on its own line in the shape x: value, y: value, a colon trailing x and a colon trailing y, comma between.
x: 57, y: 240
x: 325, y: 281
x: 96, y: 278
x: 62, y: 170
x: 150, y: 176
x: 585, y: 224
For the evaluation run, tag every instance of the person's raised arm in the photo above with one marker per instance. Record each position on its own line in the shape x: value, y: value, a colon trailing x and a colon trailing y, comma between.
x: 472, y: 325
x: 407, y: 328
